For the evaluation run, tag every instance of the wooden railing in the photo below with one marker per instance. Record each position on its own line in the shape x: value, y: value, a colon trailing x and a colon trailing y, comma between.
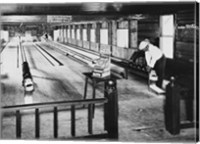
x: 110, y: 113
x: 54, y: 105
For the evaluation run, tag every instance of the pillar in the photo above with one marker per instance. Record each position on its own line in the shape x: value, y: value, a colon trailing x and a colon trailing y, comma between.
x: 81, y: 31
x: 98, y: 26
x: 111, y: 109
x: 88, y: 34
x: 110, y: 35
x: 133, y: 30
x: 114, y: 36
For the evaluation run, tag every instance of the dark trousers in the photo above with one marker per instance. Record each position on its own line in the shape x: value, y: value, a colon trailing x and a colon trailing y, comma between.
x: 160, y: 70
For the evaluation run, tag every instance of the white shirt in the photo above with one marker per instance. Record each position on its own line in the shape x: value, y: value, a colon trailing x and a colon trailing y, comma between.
x: 152, y: 55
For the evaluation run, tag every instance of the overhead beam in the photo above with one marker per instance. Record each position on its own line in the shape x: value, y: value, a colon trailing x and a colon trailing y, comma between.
x: 95, y: 8
x: 24, y: 19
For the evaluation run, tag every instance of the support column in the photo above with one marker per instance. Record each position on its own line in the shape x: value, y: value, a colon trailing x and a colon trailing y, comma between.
x: 70, y: 31
x: 93, y: 27
x: 51, y: 30
x: 114, y: 36
x: 81, y: 34
x: 98, y: 32
x: 75, y: 29
x: 60, y: 37
x: 62, y: 27
x: 74, y: 33
x: 67, y: 26
x: 65, y: 33
x: 133, y: 33
x: 70, y: 34
x: 110, y: 36
x: 88, y: 31
x: 97, y: 35
x: 76, y: 36
x: 88, y: 34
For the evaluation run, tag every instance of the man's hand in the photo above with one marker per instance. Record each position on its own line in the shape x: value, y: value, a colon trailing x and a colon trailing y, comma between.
x: 148, y: 68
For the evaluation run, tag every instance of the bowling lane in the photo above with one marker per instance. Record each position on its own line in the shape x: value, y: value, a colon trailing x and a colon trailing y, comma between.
x: 52, y: 83
x: 11, y: 75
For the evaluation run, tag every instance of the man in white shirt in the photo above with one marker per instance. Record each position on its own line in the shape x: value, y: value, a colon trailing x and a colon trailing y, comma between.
x: 155, y: 59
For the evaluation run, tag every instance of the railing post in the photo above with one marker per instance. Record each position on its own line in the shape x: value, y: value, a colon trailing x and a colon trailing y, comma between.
x: 105, y: 110
x: 18, y: 124
x: 73, y: 126
x: 90, y: 113
x: 172, y: 108
x: 85, y: 89
x: 37, y: 123
x: 55, y: 122
x: 111, y: 109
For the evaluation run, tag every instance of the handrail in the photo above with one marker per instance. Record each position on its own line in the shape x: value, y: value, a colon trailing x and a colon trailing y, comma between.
x: 50, y: 104
x: 54, y: 105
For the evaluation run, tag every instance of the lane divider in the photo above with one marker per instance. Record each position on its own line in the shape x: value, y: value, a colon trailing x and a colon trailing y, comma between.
x: 46, y: 56
x: 72, y: 53
x: 22, y: 53
x: 50, y: 55
x: 83, y: 56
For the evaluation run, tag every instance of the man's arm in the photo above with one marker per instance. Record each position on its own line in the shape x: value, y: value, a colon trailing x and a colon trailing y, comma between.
x: 152, y: 62
x: 148, y: 59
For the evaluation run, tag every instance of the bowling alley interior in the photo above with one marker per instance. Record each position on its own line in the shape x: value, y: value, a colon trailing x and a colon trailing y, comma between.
x: 100, y: 71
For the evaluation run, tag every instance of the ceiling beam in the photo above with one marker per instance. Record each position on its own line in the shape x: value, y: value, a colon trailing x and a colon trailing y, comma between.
x: 95, y: 8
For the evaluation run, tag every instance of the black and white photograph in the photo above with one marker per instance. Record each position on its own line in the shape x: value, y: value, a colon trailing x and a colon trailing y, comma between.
x: 99, y: 71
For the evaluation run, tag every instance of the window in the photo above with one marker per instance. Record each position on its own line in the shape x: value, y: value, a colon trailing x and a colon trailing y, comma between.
x: 167, y: 45
x: 78, y: 34
x: 55, y: 35
x: 122, y: 38
x: 73, y: 34
x: 4, y: 35
x: 167, y: 35
x: 92, y: 35
x: 84, y: 34
x: 64, y: 33
x: 68, y: 33
x: 104, y: 36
